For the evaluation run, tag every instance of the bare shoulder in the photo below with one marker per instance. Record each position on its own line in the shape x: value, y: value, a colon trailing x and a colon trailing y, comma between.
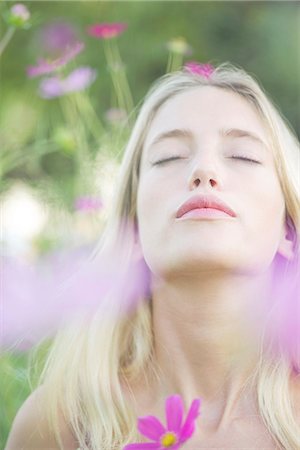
x: 30, y: 430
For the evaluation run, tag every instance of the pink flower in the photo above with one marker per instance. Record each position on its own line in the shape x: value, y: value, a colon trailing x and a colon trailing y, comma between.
x: 44, y: 66
x: 19, y: 10
x: 77, y: 80
x: 106, y: 30
x: 175, y: 434
x: 200, y: 69
x: 56, y: 37
x: 86, y: 203
x: 18, y: 16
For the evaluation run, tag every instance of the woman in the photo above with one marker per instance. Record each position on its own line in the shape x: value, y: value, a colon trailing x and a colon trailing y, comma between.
x: 199, y: 141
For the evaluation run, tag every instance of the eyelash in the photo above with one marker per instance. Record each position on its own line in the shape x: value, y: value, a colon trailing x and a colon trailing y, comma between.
x: 173, y: 158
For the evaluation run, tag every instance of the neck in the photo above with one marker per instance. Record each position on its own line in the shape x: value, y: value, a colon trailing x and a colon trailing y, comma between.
x: 207, y: 337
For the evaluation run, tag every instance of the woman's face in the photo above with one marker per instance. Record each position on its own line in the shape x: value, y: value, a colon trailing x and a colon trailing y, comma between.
x: 207, y: 161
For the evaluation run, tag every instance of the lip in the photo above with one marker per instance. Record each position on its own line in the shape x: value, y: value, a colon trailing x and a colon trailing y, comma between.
x: 200, y: 202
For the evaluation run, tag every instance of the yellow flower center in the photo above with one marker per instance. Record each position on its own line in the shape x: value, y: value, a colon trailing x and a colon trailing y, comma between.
x: 169, y: 439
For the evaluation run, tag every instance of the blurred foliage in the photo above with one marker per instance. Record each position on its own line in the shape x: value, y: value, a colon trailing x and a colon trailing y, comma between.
x: 65, y: 147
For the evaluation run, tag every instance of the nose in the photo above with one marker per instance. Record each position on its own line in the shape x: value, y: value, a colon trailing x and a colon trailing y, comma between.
x: 204, y: 173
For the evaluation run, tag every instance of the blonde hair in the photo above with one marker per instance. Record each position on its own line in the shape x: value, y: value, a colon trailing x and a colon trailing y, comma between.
x: 89, y: 364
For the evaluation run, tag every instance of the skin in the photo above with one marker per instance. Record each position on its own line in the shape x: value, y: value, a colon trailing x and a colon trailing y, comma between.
x: 209, y: 277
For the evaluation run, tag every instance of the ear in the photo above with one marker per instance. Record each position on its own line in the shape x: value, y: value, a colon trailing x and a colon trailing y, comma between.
x: 286, y: 243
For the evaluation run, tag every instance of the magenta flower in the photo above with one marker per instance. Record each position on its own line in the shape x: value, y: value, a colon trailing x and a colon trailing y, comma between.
x: 45, y: 66
x: 77, y: 80
x: 199, y: 69
x: 106, y: 30
x: 86, y: 203
x: 175, y: 434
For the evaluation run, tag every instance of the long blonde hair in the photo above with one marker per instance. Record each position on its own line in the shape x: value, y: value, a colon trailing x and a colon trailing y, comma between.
x: 88, y: 363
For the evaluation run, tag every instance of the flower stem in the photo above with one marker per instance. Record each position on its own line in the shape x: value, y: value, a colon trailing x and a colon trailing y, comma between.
x: 175, y: 61
x: 118, y: 75
x: 6, y: 38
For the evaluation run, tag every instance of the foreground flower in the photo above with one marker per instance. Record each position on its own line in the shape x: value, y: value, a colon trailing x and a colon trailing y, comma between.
x: 77, y: 80
x: 106, y: 30
x: 86, y: 203
x: 200, y: 69
x: 45, y: 66
x: 175, y: 434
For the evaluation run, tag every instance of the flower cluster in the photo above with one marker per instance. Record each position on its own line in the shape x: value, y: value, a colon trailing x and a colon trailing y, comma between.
x: 78, y: 79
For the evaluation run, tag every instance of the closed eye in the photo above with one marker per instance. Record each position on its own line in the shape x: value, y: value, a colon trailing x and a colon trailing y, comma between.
x: 246, y: 159
x: 161, y: 161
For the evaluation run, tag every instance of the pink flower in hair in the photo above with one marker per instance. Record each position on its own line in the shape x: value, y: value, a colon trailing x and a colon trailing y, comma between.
x: 106, y: 30
x: 172, y: 436
x: 200, y: 69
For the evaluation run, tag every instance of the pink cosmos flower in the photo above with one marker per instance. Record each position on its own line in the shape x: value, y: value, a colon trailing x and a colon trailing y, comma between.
x: 200, y: 69
x: 175, y: 434
x: 106, y: 30
x: 86, y: 203
x: 45, y: 66
x: 77, y: 80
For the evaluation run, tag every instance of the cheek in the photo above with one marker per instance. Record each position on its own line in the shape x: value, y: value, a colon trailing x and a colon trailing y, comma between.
x: 264, y: 213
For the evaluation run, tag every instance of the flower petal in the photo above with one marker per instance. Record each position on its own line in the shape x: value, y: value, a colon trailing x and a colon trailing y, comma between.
x: 51, y: 87
x: 174, y: 412
x: 189, y: 425
x: 79, y: 79
x: 143, y: 446
x: 150, y: 427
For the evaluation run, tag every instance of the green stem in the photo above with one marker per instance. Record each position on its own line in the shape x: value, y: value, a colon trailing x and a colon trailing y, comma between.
x: 81, y: 154
x: 118, y: 75
x: 6, y: 38
x: 169, y: 63
x: 175, y: 61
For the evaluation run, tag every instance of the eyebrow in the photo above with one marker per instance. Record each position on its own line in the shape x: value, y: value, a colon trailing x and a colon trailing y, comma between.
x: 183, y: 133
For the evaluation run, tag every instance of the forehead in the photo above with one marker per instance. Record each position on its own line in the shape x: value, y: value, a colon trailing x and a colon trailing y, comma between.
x: 205, y: 110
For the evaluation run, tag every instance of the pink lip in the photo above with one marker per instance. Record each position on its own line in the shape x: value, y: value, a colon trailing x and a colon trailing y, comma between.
x: 199, y: 203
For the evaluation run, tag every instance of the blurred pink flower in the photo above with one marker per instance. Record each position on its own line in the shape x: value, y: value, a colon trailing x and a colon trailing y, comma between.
x: 20, y: 11
x: 87, y: 203
x: 45, y: 66
x: 56, y: 37
x: 283, y: 319
x: 175, y: 434
x: 40, y: 298
x: 77, y: 80
x: 18, y: 16
x: 106, y: 30
x: 200, y: 69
